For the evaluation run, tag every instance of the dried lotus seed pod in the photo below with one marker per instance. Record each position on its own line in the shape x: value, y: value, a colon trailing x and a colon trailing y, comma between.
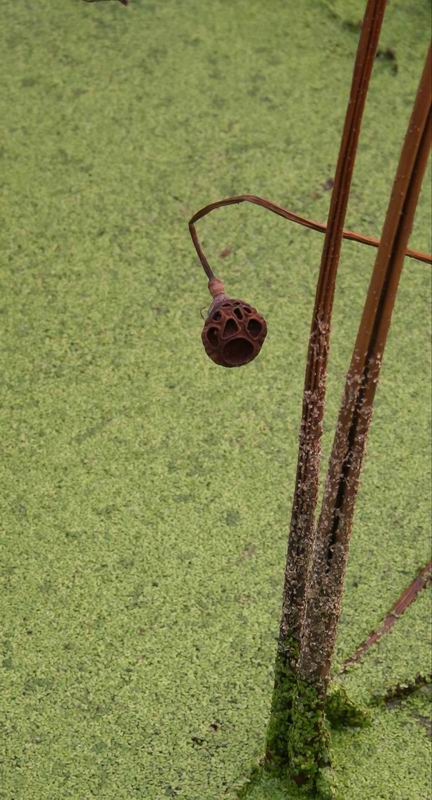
x: 233, y: 332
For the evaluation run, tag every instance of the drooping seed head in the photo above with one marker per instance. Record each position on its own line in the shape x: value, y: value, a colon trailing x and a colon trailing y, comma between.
x: 233, y: 332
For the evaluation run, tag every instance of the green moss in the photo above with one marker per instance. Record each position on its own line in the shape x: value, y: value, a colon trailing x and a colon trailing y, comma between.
x: 281, y: 715
x: 308, y: 742
x: 268, y: 785
x: 297, y: 735
x: 341, y: 711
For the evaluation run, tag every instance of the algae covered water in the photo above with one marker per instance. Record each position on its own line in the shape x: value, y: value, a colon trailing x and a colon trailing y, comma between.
x: 146, y: 492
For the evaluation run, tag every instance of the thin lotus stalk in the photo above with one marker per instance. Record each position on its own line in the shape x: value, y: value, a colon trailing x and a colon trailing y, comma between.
x: 423, y: 579
x: 341, y: 488
x: 289, y: 215
x: 302, y: 527
x: 307, y: 479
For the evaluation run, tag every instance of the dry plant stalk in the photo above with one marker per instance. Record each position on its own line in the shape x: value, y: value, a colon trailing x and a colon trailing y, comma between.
x: 308, y: 466
x: 297, y: 738
x: 289, y: 215
x: 335, y: 522
x: 423, y: 579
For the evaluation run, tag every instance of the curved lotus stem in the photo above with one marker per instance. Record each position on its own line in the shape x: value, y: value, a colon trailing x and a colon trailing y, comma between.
x: 282, y: 212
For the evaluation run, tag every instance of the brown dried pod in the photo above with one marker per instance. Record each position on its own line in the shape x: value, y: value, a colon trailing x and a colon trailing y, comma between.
x: 233, y: 332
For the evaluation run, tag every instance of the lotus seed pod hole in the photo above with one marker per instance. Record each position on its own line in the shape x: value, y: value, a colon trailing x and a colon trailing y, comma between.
x: 238, y: 352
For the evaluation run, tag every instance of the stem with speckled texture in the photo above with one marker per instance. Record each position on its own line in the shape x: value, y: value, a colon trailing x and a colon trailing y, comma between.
x: 335, y: 522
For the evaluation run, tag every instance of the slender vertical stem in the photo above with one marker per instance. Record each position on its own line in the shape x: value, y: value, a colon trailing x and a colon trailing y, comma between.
x: 335, y: 522
x: 288, y: 738
x: 308, y: 466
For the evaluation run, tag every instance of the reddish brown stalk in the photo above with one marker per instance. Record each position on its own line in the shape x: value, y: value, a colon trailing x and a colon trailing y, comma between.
x: 282, y: 212
x: 402, y: 603
x: 123, y: 2
x: 302, y: 527
x: 396, y: 694
x: 335, y: 522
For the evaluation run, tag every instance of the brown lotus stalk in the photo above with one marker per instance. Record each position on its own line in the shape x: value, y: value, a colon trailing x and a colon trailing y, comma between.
x: 307, y: 479
x: 335, y: 522
x: 289, y: 215
x: 123, y: 2
x: 423, y: 579
x: 289, y: 745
